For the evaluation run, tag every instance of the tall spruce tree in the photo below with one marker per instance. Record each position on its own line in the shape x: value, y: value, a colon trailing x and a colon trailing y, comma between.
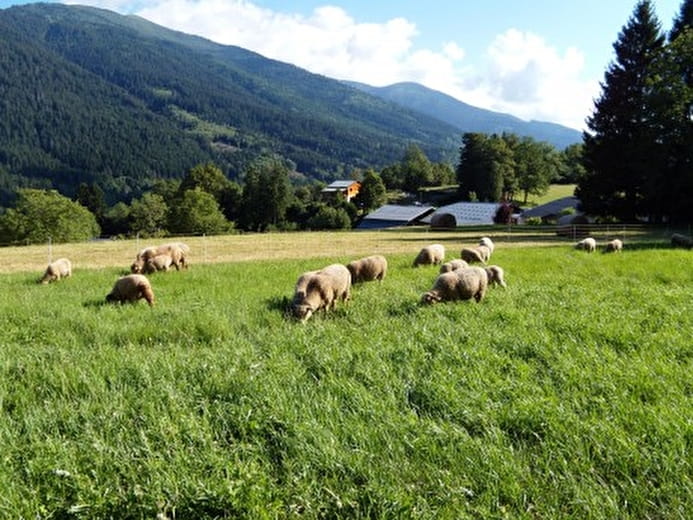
x: 622, y: 149
x: 674, y: 93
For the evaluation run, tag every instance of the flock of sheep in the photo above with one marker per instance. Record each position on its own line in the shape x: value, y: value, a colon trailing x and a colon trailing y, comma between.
x: 589, y: 244
x: 457, y: 280
x: 135, y: 286
x: 322, y: 289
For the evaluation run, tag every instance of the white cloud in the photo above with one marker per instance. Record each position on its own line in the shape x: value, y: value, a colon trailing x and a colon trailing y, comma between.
x: 521, y: 75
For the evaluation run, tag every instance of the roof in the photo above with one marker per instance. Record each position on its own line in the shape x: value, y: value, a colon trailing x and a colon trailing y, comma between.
x: 391, y: 215
x: 470, y: 213
x: 339, y: 185
x: 551, y: 208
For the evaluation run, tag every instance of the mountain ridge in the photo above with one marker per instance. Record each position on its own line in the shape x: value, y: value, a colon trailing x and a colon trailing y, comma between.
x: 89, y: 95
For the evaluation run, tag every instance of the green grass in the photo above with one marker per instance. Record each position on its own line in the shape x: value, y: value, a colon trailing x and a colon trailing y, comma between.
x: 568, y: 395
x: 556, y: 191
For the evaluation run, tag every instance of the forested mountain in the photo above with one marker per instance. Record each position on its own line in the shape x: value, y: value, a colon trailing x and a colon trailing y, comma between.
x: 468, y: 118
x: 87, y: 95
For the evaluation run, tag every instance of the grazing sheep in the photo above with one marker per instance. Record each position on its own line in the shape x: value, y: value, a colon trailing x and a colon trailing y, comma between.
x: 131, y: 288
x: 316, y: 290
x: 588, y: 244
x: 486, y: 241
x: 479, y: 253
x: 157, y: 263
x: 495, y: 274
x: 176, y: 250
x: 453, y: 265
x: 614, y: 246
x: 433, y: 254
x: 679, y: 240
x: 368, y: 269
x: 61, y: 268
x: 462, y: 284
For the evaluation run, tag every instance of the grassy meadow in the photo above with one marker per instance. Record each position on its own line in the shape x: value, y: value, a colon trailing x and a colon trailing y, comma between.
x: 567, y: 395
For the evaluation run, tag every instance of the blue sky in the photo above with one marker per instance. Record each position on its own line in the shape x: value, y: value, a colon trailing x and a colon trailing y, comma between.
x: 535, y: 59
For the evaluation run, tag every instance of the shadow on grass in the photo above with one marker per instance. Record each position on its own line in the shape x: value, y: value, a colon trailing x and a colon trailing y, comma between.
x: 94, y: 304
x: 406, y: 309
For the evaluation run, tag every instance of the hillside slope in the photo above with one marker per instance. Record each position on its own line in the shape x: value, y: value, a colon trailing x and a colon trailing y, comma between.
x: 468, y: 118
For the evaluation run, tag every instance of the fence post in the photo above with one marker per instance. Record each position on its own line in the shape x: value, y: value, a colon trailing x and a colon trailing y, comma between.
x: 204, y: 246
x: 50, y: 250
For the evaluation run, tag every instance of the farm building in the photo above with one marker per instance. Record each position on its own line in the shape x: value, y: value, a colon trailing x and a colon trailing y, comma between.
x: 551, y: 211
x: 393, y: 215
x: 348, y: 189
x: 466, y: 213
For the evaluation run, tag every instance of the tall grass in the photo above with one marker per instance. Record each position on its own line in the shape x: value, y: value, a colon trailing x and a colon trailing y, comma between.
x: 568, y: 395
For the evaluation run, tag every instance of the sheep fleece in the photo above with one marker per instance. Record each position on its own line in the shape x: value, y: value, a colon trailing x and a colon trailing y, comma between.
x: 368, y: 269
x: 316, y: 290
x: 462, y: 284
x: 131, y: 288
x: 433, y: 254
x: 61, y: 268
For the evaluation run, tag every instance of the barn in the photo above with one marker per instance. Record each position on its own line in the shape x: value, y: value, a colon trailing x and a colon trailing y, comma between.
x: 393, y: 215
x: 468, y: 213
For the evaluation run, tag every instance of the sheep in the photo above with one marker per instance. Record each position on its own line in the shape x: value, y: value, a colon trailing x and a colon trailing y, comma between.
x: 486, y: 241
x: 157, y: 263
x: 176, y: 250
x: 61, y: 268
x: 368, y: 269
x: 453, y: 265
x: 462, y: 284
x: 433, y: 254
x: 588, y: 244
x: 480, y: 253
x: 679, y: 240
x: 614, y: 246
x: 316, y: 290
x: 131, y: 288
x: 495, y: 274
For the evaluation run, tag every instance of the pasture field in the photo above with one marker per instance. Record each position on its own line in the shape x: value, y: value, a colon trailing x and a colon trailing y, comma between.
x: 567, y: 395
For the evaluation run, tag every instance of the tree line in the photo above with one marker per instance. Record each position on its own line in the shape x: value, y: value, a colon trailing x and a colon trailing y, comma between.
x: 638, y: 151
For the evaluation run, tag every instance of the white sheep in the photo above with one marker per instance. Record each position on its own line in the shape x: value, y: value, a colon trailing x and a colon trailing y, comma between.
x: 131, y: 288
x: 462, y: 284
x: 368, y: 269
x: 588, y: 244
x: 158, y: 263
x: 178, y: 252
x: 60, y: 268
x: 318, y: 290
x: 495, y: 274
x: 480, y: 253
x: 614, y: 246
x: 433, y: 254
x: 486, y: 241
x: 453, y: 265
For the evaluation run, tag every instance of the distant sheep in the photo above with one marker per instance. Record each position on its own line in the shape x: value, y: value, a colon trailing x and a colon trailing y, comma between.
x: 61, y: 268
x: 320, y: 290
x: 480, y: 253
x: 587, y: 244
x: 462, y: 284
x: 486, y: 241
x: 368, y: 269
x: 430, y: 255
x: 178, y: 252
x: 496, y: 275
x: 453, y: 265
x: 131, y: 288
x: 614, y: 246
x: 157, y: 263
x: 679, y: 240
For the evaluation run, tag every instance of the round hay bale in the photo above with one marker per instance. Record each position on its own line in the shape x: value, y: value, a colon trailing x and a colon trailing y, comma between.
x: 443, y: 220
